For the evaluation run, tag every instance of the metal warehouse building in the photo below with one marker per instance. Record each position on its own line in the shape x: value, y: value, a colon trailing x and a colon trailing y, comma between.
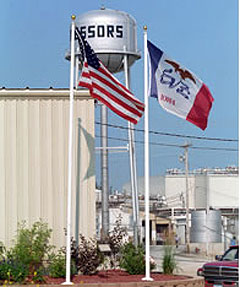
x: 34, y: 126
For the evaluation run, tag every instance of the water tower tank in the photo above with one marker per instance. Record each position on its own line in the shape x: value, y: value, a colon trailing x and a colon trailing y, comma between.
x: 112, y: 34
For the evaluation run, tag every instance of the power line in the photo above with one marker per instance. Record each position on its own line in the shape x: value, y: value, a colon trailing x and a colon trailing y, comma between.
x: 214, y: 148
x: 171, y: 134
x: 172, y: 145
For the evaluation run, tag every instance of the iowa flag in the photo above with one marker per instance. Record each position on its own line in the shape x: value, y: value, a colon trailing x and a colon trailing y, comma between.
x: 177, y: 89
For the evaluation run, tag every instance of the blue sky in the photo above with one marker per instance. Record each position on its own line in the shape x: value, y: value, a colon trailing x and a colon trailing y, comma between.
x: 200, y: 34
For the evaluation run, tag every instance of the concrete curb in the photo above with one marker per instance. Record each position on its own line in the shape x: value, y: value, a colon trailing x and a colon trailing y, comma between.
x: 191, y: 282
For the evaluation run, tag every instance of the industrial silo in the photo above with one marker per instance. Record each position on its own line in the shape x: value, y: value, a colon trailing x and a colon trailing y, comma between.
x: 205, y: 226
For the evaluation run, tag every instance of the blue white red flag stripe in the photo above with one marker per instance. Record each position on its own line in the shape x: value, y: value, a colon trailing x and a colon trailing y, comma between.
x: 198, y: 115
x: 177, y: 89
x: 105, y: 87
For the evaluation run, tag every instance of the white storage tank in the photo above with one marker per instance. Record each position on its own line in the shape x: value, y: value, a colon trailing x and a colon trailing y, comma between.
x: 205, y: 226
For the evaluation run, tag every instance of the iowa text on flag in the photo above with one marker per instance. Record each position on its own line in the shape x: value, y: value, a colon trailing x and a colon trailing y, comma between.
x: 177, y: 89
x: 105, y: 87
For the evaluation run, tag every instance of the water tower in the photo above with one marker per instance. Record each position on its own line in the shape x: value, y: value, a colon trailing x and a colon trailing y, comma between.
x: 113, y: 36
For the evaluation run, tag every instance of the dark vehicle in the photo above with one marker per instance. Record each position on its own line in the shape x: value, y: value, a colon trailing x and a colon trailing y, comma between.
x: 223, y: 272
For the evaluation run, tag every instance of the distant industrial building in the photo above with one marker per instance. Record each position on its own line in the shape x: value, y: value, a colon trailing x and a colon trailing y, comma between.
x: 208, y: 188
x: 156, y: 185
x: 213, y: 200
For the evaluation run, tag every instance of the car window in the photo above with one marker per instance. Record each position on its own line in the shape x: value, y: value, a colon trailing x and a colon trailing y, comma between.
x: 231, y: 254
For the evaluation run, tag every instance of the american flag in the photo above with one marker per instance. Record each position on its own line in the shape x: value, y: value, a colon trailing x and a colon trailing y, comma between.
x: 104, y: 87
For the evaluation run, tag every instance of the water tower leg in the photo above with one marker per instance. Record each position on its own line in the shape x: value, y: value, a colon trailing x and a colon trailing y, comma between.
x: 104, y: 175
x: 132, y: 155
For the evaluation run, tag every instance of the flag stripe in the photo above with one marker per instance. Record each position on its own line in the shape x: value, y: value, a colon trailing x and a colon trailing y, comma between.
x: 98, y: 86
x: 112, y: 91
x: 115, y: 99
x: 198, y: 114
x: 118, y: 84
x: 121, y: 112
x: 86, y: 80
x: 115, y: 85
x: 155, y: 55
x: 119, y: 96
x: 101, y: 94
x: 86, y: 85
x: 105, y: 72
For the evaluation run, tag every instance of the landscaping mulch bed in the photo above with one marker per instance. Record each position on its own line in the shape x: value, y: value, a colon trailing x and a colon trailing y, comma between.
x: 113, y: 276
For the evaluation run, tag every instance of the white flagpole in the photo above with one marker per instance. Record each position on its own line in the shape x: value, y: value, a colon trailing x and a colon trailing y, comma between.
x: 70, y: 140
x: 146, y: 161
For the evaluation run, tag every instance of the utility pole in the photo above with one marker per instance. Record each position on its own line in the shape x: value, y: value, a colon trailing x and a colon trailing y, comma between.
x: 185, y: 159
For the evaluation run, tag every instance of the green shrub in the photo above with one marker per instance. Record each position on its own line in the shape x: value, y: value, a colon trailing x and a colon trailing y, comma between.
x: 32, y: 245
x: 169, y: 264
x: 57, y: 266
x: 13, y: 271
x: 133, y: 259
x: 24, y: 262
x: 4, y: 269
x: 37, y: 276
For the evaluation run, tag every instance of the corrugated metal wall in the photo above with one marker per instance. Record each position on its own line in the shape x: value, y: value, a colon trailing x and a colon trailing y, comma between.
x: 34, y: 159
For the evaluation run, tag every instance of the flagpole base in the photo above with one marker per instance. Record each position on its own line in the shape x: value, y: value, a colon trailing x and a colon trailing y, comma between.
x: 147, y: 279
x: 67, y: 283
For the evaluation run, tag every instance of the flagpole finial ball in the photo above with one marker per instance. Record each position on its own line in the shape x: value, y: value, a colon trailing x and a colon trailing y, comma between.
x: 73, y: 17
x: 145, y: 27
